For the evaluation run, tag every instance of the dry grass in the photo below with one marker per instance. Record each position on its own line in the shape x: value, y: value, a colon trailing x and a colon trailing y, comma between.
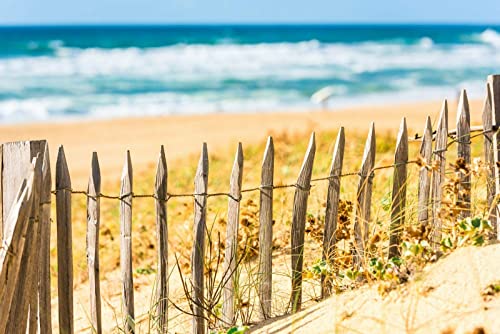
x: 289, y: 149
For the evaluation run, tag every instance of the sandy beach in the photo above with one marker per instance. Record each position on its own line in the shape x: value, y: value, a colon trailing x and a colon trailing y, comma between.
x: 183, y: 135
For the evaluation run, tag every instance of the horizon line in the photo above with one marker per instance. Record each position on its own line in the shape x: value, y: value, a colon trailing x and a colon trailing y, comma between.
x: 243, y: 24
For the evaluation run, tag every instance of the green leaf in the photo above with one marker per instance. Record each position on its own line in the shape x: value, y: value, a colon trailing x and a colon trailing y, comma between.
x: 396, y: 260
x: 447, y: 243
x: 238, y: 330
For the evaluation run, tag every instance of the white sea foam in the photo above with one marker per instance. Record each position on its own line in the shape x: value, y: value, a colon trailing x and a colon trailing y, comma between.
x: 77, y: 75
x: 491, y: 37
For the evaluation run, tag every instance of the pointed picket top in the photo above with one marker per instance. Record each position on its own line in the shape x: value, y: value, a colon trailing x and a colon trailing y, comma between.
x: 443, y: 117
x: 161, y: 176
x: 46, y: 176
x: 369, y: 152
x: 127, y: 176
x: 268, y: 159
x: 494, y: 84
x: 426, y: 146
x: 238, y: 160
x: 463, y: 112
x: 306, y: 169
x: 236, y: 173
x: 202, y: 170
x: 63, y: 179
x: 338, y: 152
x: 402, y: 140
x: 94, y: 188
x: 487, y: 108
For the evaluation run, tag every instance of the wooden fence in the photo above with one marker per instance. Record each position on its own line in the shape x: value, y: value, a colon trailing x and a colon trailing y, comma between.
x: 25, y: 225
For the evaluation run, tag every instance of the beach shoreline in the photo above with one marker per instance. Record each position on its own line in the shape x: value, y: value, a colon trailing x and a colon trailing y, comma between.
x: 183, y: 135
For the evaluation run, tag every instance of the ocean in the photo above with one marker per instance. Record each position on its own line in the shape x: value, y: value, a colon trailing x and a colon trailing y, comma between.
x: 68, y: 72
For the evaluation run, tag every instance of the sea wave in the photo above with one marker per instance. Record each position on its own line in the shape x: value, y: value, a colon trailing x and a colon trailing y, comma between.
x: 280, y: 60
x: 490, y: 36
x: 180, y: 78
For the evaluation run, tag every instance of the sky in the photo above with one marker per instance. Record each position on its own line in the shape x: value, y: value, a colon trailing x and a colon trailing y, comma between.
x: 33, y: 12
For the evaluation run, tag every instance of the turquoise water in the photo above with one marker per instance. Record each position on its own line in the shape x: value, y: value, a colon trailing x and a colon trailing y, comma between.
x: 50, y: 73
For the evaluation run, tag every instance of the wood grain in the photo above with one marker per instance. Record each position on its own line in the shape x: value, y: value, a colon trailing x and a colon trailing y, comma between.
x: 230, y: 274
x: 162, y: 243
x: 332, y: 207
x: 438, y: 173
x: 198, y: 252
x: 266, y: 231
x: 424, y: 177
x: 399, y: 181
x: 464, y: 154
x: 64, y: 244
x: 363, y: 199
x: 93, y: 224
x: 126, y: 246
x: 298, y: 224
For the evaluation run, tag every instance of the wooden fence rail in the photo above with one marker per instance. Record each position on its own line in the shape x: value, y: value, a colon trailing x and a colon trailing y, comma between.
x: 25, y: 198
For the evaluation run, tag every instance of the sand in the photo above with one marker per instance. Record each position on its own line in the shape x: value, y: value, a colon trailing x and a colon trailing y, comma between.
x: 447, y: 298
x: 183, y: 135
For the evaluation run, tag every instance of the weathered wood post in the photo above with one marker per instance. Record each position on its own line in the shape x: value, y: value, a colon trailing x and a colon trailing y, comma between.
x: 364, y: 199
x: 230, y: 272
x: 424, y: 177
x: 464, y: 154
x: 25, y: 295
x: 14, y: 239
x: 487, y: 118
x: 44, y: 277
x: 198, y: 252
x: 16, y: 160
x: 126, y: 194
x: 399, y: 190
x: 494, y: 83
x: 266, y: 231
x: 93, y: 223
x: 64, y: 244
x: 332, y: 207
x: 162, y: 243
x: 302, y: 189
x: 438, y: 174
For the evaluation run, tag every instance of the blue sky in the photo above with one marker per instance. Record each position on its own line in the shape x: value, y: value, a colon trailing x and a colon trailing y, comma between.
x: 247, y: 11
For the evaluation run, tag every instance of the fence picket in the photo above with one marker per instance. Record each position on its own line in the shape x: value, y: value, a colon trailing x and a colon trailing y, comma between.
x: 424, y: 178
x: 487, y: 118
x: 494, y: 82
x: 464, y: 151
x: 16, y: 225
x: 332, y: 206
x: 438, y: 174
x: 266, y: 231
x: 44, y: 269
x: 25, y: 295
x: 198, y: 252
x: 64, y: 244
x: 126, y: 245
x: 299, y: 222
x: 231, y: 252
x: 162, y: 243
x: 399, y: 190
x: 30, y: 295
x: 363, y: 200
x: 93, y: 223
